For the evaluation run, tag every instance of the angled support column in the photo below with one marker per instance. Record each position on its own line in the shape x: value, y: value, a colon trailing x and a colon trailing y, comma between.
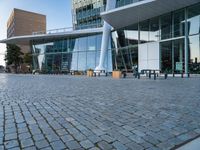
x: 186, y: 45
x: 105, y: 38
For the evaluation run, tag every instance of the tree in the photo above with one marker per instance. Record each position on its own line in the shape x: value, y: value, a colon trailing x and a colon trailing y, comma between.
x: 28, y: 58
x: 14, y: 56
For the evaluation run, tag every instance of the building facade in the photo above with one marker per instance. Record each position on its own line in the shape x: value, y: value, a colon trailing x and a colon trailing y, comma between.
x: 22, y: 23
x: 145, y: 34
x: 86, y: 13
x: 69, y: 54
x: 168, y: 42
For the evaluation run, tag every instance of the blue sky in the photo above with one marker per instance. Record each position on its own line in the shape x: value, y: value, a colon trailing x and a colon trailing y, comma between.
x: 58, y: 14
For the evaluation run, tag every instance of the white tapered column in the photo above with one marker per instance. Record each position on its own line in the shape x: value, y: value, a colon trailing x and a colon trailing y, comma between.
x: 105, y: 38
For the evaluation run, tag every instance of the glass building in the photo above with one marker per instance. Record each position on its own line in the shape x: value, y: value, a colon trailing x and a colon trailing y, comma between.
x: 176, y: 32
x: 69, y: 54
x: 156, y: 34
x: 86, y: 13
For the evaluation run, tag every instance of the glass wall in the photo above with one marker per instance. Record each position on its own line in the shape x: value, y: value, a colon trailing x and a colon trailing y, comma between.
x: 64, y: 55
x: 86, y: 14
x: 166, y: 26
x: 125, y: 48
x: 194, y: 38
x: 167, y: 29
x: 125, y: 2
x: 172, y: 56
x: 154, y: 29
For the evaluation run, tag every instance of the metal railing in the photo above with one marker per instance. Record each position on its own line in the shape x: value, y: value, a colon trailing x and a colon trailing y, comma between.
x: 53, y: 31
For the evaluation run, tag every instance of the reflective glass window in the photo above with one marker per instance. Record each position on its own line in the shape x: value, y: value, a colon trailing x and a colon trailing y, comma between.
x: 122, y: 42
x: 166, y: 56
x: 99, y: 39
x: 65, y: 45
x: 82, y: 61
x: 194, y: 54
x: 131, y: 34
x: 82, y: 44
x: 66, y: 62
x: 58, y: 45
x: 71, y: 47
x: 154, y: 30
x: 57, y: 63
x: 179, y: 23
x: 76, y: 44
x: 91, y: 60
x: 49, y: 63
x: 91, y: 43
x: 144, y: 31
x: 194, y: 19
x: 178, y: 55
x: 74, y: 64
x: 166, y: 26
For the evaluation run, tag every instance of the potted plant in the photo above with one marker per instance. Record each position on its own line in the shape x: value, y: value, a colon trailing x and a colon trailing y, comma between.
x: 90, y: 72
x: 117, y: 74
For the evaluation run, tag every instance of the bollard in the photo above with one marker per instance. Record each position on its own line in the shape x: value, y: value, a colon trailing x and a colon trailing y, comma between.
x: 149, y: 74
x: 106, y: 74
x: 181, y: 75
x: 173, y: 74
x: 138, y: 75
x: 154, y: 72
x: 165, y: 75
x: 124, y: 75
x: 188, y: 75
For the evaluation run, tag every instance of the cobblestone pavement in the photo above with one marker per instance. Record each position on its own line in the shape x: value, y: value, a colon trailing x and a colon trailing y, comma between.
x: 63, y: 112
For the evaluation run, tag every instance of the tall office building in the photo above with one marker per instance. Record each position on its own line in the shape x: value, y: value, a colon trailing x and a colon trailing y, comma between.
x: 86, y: 13
x: 22, y: 23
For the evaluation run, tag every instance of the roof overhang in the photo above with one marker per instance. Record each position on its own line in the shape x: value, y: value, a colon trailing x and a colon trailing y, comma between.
x: 25, y: 40
x: 143, y: 10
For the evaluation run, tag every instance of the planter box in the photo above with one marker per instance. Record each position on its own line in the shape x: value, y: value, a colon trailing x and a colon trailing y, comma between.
x: 117, y: 74
x: 90, y: 73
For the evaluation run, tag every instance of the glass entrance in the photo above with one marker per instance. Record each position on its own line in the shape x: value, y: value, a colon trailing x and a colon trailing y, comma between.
x: 172, y: 56
x: 125, y: 59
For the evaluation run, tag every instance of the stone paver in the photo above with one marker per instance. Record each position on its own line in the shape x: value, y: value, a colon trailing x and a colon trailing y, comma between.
x: 65, y: 112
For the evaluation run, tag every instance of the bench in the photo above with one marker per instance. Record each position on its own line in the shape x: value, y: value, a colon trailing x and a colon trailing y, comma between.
x: 149, y: 72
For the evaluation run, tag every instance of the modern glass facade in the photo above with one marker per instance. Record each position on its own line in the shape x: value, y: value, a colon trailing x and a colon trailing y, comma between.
x: 86, y: 13
x: 120, y: 3
x: 176, y: 32
x: 67, y: 54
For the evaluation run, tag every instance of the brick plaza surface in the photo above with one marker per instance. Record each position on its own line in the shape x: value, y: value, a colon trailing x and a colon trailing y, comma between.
x: 63, y: 112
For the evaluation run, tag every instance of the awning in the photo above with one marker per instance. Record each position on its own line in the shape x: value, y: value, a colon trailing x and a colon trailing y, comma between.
x: 24, y: 40
x: 143, y: 10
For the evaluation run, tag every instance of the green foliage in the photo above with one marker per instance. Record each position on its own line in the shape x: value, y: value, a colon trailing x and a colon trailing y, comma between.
x: 13, y: 56
x: 28, y: 58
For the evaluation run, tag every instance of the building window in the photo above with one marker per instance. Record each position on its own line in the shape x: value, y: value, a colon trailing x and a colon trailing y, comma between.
x: 144, y: 31
x: 194, y: 19
x: 166, y: 26
x: 194, y: 54
x: 179, y: 23
x: 154, y: 29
